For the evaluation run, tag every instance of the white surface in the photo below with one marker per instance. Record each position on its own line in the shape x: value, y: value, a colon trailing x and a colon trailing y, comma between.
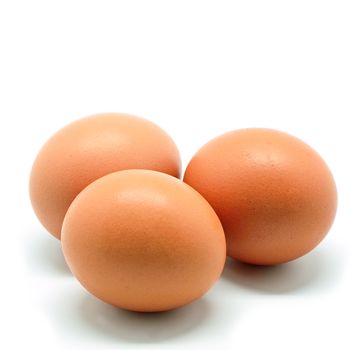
x: 197, y: 68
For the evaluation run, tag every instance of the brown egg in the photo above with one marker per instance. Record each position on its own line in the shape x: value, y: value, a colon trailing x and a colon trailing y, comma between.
x: 90, y: 148
x: 275, y: 196
x: 143, y: 241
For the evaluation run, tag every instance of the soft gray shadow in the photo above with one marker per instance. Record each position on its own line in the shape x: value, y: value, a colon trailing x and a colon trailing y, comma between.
x: 139, y: 327
x: 44, y: 254
x: 318, y: 270
x: 80, y: 314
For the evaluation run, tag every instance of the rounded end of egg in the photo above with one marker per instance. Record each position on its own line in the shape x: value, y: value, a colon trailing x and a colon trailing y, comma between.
x: 92, y: 147
x: 143, y: 241
x: 275, y: 196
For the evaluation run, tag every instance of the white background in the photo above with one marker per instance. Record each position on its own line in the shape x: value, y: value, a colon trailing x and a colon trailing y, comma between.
x: 197, y: 68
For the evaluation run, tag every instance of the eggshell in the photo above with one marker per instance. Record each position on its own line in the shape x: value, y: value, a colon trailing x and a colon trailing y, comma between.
x: 275, y: 196
x: 90, y: 148
x: 143, y: 241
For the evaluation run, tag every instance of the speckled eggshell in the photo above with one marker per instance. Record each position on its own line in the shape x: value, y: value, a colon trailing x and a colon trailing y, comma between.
x: 90, y: 148
x: 143, y: 240
x: 274, y: 194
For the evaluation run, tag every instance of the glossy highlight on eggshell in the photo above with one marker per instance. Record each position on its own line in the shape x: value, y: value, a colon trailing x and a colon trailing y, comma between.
x: 275, y: 196
x: 92, y: 147
x: 143, y: 241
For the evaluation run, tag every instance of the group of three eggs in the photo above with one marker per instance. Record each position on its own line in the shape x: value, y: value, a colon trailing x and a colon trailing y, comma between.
x: 138, y: 237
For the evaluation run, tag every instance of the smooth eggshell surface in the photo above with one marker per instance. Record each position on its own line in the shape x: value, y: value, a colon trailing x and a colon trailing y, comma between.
x: 90, y: 148
x: 143, y: 241
x: 274, y: 194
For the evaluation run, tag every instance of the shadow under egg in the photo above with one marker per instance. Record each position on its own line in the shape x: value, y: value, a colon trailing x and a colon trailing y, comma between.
x: 44, y: 254
x: 138, y: 327
x: 315, y: 271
